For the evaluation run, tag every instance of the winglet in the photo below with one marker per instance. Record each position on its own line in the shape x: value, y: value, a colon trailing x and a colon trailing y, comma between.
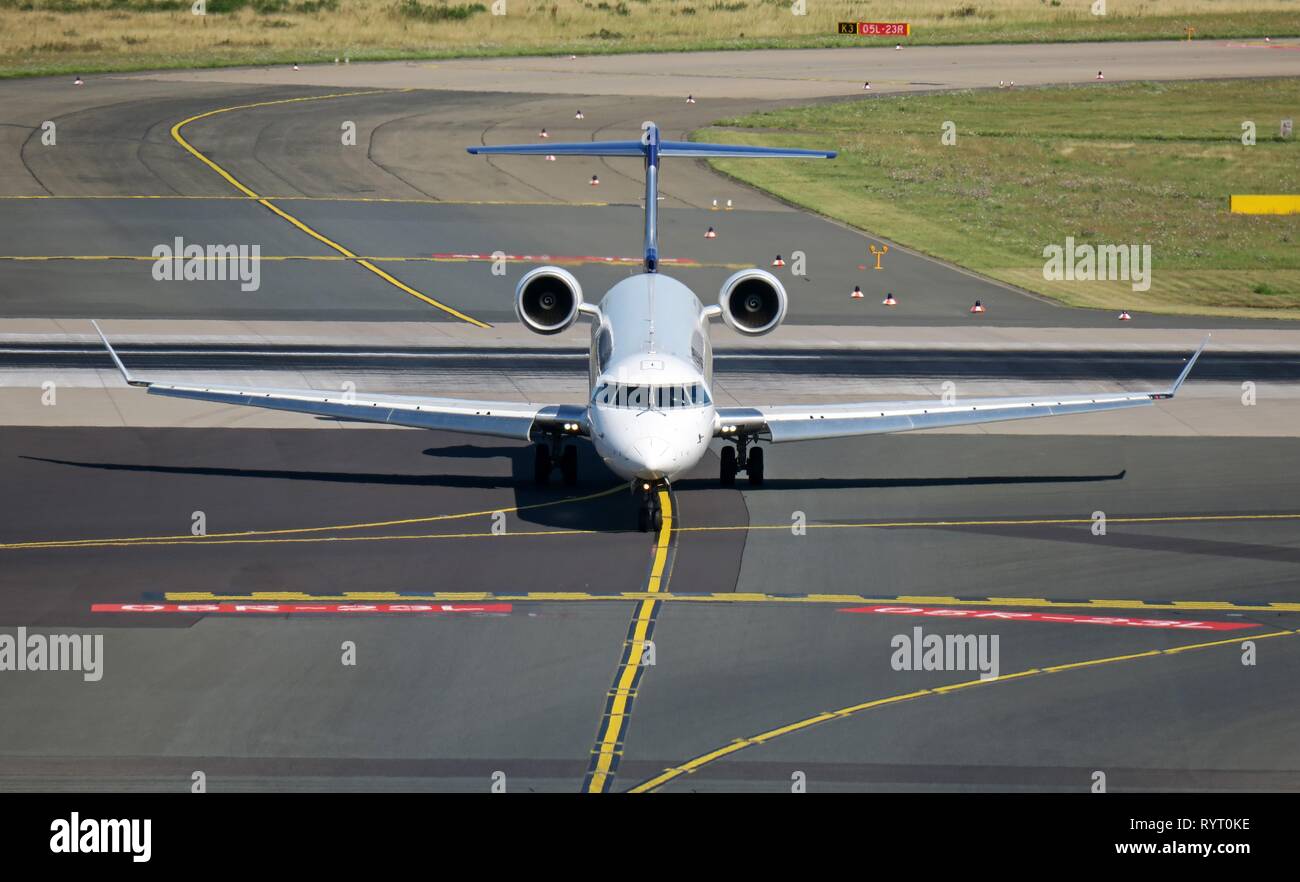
x: 1187, y: 369
x: 126, y: 375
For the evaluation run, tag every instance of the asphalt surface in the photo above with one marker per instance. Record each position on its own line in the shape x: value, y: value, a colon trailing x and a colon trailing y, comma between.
x: 263, y: 702
x: 1201, y: 530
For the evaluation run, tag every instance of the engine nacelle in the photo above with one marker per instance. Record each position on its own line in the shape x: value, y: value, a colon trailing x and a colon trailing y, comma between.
x: 547, y: 300
x: 753, y: 302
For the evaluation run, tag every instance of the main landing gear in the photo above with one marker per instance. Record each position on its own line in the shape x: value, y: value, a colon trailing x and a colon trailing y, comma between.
x: 548, y: 455
x: 738, y: 458
x: 650, y: 513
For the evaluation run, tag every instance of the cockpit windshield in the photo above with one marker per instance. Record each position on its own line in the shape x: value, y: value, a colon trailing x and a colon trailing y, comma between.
x: 658, y: 396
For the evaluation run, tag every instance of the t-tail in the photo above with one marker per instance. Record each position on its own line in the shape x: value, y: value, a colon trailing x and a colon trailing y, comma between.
x: 652, y: 149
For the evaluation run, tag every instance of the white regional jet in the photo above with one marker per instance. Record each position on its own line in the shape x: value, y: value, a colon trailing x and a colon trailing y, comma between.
x: 651, y: 414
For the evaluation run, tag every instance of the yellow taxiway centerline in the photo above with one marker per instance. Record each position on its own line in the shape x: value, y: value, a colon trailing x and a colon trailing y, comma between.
x: 618, y: 706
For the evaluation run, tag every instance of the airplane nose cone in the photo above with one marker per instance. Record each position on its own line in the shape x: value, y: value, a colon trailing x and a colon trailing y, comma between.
x: 654, y: 452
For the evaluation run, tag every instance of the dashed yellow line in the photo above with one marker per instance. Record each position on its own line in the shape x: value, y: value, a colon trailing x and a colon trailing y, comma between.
x: 699, y: 762
x: 734, y: 598
x: 268, y: 204
x: 618, y: 705
x: 244, y: 536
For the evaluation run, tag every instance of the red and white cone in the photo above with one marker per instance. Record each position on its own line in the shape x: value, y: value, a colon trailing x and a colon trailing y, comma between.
x: 1099, y: 76
x: 1125, y: 317
x: 550, y: 157
x: 977, y: 308
x: 295, y: 67
x: 543, y: 134
x: 778, y: 261
x: 595, y: 181
x: 857, y: 293
x: 578, y: 115
x: 710, y: 234
x: 889, y: 299
x: 866, y: 87
x: 78, y: 81
x: 690, y: 99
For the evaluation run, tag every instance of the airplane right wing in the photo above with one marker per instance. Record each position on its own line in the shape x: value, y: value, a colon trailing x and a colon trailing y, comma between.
x: 814, y: 421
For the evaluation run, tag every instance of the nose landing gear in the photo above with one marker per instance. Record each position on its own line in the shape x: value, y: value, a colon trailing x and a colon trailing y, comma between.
x: 739, y: 458
x: 650, y: 513
x: 548, y: 455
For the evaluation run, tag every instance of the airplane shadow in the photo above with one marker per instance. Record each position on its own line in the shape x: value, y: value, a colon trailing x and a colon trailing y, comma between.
x: 542, y: 507
x: 883, y: 483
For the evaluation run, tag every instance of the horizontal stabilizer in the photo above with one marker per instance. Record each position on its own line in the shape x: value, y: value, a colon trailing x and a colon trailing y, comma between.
x: 577, y: 148
x: 666, y: 148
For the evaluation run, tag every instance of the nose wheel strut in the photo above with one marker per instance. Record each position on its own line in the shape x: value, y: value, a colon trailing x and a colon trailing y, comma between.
x: 650, y: 513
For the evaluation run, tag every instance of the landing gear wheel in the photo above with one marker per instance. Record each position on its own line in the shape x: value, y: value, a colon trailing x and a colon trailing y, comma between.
x: 541, y: 465
x: 754, y: 467
x: 727, y: 473
x: 569, y: 465
x: 650, y: 516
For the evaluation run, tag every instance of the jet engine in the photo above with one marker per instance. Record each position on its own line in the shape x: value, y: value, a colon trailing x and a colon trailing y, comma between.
x: 547, y: 300
x: 753, y: 302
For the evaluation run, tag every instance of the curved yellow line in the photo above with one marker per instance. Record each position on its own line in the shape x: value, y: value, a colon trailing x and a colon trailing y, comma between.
x: 234, y: 182
x: 693, y: 765
x: 216, y: 538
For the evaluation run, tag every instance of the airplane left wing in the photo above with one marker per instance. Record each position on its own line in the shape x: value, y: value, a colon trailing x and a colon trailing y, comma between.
x: 808, y: 422
x: 499, y: 419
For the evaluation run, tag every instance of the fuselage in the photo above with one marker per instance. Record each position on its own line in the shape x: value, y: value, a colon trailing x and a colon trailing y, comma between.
x: 651, y: 406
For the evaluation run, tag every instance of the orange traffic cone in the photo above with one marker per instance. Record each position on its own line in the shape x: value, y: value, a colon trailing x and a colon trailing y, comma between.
x: 778, y: 261
x: 857, y: 293
x: 978, y: 307
x: 889, y: 299
x: 1125, y: 317
x: 710, y: 234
